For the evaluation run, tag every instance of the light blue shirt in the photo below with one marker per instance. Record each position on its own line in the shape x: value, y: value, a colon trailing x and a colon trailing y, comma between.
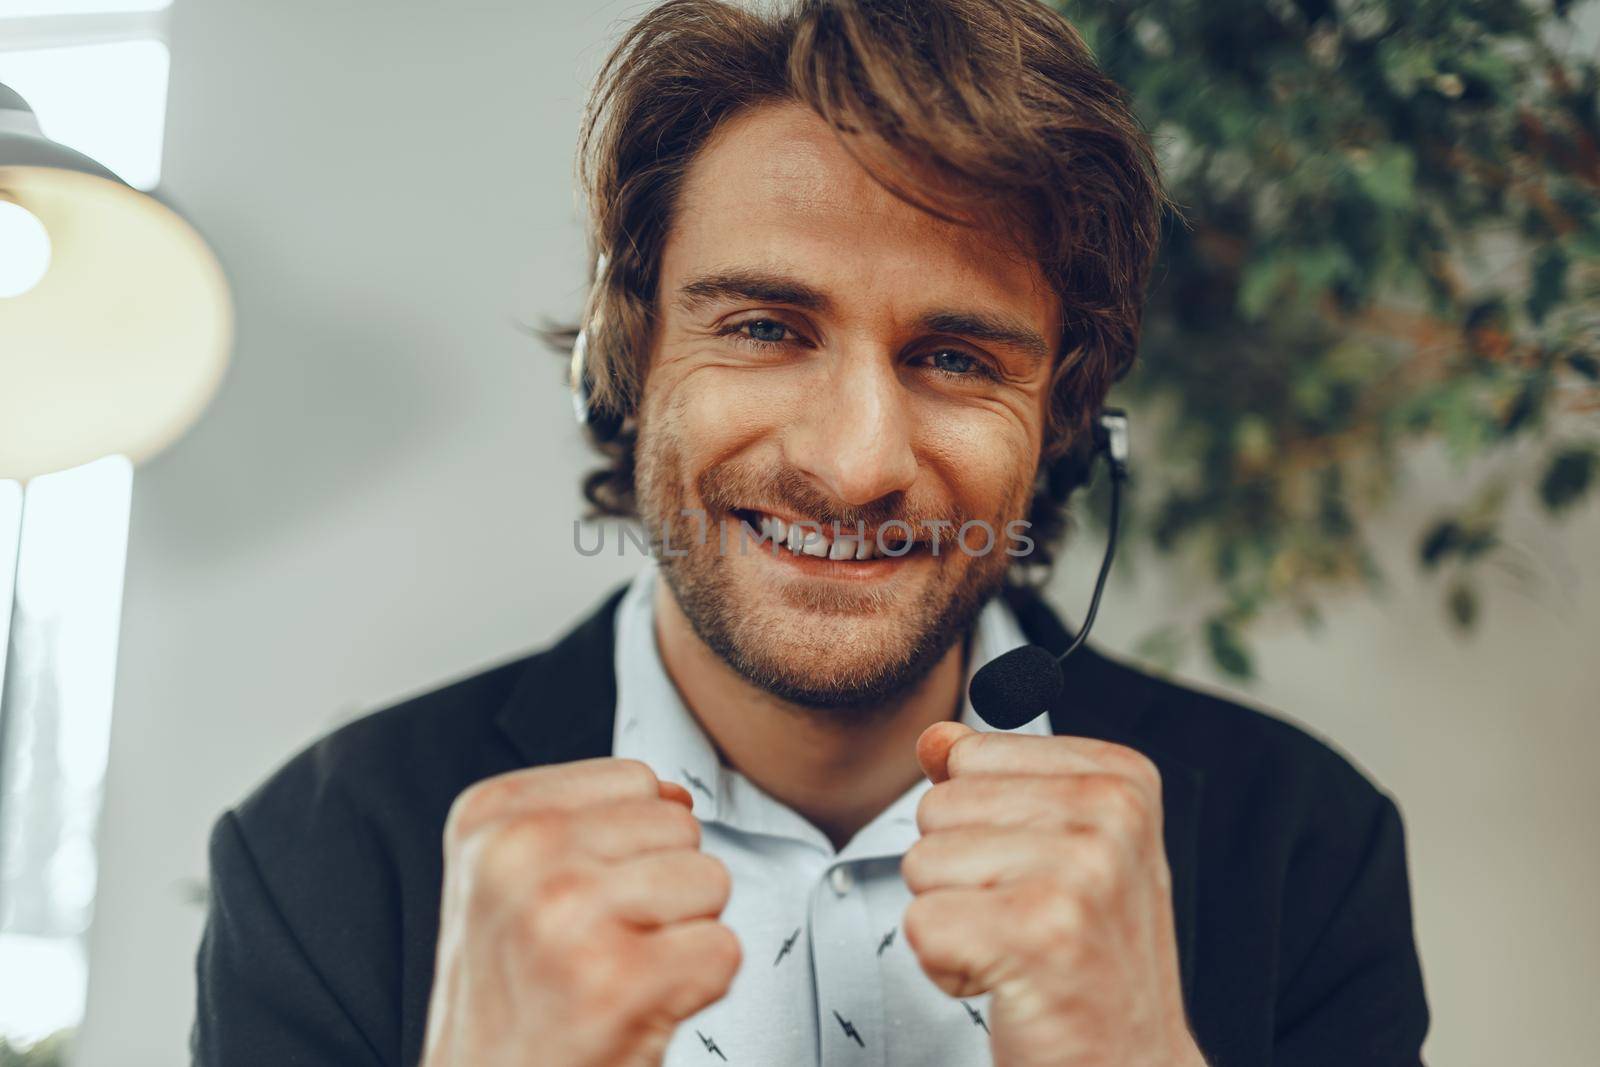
x: 827, y: 978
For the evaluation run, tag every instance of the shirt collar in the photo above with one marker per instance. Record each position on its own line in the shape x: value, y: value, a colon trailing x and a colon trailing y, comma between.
x: 653, y: 725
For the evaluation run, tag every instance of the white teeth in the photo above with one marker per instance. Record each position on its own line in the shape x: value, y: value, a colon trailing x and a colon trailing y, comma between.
x: 815, y: 544
x: 804, y: 539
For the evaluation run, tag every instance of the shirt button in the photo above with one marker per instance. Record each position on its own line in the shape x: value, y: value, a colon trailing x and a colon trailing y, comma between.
x: 841, y: 880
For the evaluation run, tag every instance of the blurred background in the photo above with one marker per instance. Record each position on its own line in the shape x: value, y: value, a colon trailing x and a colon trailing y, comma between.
x: 1366, y: 430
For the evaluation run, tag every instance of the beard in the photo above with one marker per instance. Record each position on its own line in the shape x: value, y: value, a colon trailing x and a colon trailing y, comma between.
x: 846, y: 654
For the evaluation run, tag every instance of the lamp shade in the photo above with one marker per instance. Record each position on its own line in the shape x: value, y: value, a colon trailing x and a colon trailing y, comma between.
x: 123, y: 340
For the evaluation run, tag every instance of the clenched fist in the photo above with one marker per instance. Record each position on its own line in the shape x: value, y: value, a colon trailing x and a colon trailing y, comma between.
x: 1041, y: 878
x: 579, y: 920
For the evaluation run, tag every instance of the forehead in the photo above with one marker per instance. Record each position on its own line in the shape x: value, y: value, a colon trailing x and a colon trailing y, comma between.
x: 774, y: 188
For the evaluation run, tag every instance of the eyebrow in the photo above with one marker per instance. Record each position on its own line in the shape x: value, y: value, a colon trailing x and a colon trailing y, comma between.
x: 750, y: 285
x: 767, y: 288
x: 991, y: 329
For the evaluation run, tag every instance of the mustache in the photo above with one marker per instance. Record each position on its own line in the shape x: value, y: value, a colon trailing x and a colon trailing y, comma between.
x: 725, y: 487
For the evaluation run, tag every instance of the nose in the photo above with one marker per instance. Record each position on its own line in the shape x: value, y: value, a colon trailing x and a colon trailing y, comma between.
x: 856, y: 438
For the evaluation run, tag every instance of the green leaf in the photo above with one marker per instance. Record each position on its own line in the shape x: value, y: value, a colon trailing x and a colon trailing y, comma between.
x: 1462, y: 601
x: 1405, y: 65
x: 1252, y: 440
x: 1488, y: 313
x: 1585, y: 364
x: 1443, y: 538
x: 1462, y: 421
x: 1259, y: 286
x: 1549, y: 281
x: 1490, y: 78
x: 1227, y: 651
x: 49, y: 1051
x: 1524, y: 406
x: 1568, y: 477
x: 1477, y: 542
x: 1317, y: 268
x: 1387, y: 177
x: 1161, y: 648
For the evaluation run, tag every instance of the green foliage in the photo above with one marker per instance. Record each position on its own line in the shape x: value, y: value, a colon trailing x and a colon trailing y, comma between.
x: 48, y: 1052
x: 1390, y: 234
x: 1568, y: 478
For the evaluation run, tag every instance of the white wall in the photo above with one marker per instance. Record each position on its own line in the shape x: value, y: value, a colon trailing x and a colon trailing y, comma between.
x: 381, y: 499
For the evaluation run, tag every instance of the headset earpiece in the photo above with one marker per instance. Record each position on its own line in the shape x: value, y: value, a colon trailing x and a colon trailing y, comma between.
x: 603, y: 424
x: 1109, y: 439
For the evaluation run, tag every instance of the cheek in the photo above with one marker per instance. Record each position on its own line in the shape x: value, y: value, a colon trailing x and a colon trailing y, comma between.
x: 710, y: 411
x: 735, y: 402
x: 986, y: 455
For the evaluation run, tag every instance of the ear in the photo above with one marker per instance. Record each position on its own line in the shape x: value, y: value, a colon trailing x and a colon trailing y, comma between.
x: 1069, y: 472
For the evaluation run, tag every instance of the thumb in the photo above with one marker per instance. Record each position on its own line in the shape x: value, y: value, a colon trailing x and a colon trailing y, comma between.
x: 674, y: 791
x: 933, y: 748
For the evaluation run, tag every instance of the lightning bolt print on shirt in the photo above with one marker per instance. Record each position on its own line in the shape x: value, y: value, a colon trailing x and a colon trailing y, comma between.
x: 826, y: 979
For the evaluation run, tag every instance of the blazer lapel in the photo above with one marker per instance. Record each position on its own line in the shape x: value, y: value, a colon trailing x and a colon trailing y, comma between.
x: 563, y: 707
x: 1103, y: 699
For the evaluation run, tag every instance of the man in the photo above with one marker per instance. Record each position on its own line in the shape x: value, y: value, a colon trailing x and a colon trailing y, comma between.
x: 865, y: 273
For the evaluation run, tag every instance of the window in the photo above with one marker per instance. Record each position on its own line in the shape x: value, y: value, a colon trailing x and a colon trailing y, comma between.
x: 97, y: 82
x: 95, y: 74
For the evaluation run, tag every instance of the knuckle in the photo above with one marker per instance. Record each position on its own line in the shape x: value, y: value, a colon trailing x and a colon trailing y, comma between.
x: 963, y: 751
x: 717, y: 956
x: 564, y: 889
x: 932, y: 809
x: 1053, y: 917
x: 592, y: 978
x: 914, y: 923
x: 1123, y: 800
x: 914, y: 866
x: 723, y: 950
x: 472, y: 807
x: 716, y: 875
x: 1067, y: 791
x: 1143, y: 769
x: 1095, y: 867
x: 1128, y: 761
x: 509, y: 855
x: 540, y: 833
x: 559, y: 907
x: 635, y: 773
x: 682, y: 820
x: 1139, y: 769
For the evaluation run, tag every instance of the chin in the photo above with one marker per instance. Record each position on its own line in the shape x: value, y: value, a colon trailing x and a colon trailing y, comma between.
x: 831, y: 678
x: 813, y: 644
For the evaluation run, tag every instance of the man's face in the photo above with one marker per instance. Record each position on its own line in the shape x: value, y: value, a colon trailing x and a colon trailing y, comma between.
x: 827, y: 352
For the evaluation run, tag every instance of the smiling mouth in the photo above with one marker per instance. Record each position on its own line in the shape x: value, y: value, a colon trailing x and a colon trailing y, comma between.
x: 819, y: 540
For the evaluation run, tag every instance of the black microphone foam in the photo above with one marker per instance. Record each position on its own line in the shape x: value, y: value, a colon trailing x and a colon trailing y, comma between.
x: 1008, y: 691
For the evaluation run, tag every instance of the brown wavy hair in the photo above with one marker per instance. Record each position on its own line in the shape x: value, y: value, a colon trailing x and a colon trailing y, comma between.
x: 1000, y: 97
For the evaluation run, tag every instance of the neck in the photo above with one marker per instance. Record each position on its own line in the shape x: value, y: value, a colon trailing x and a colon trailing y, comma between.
x: 839, y: 774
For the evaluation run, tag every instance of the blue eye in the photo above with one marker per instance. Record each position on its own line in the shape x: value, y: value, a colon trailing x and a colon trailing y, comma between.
x: 765, y: 331
x: 953, y: 362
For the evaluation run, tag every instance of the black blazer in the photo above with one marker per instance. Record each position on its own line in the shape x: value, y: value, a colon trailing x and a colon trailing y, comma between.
x: 1289, y: 883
